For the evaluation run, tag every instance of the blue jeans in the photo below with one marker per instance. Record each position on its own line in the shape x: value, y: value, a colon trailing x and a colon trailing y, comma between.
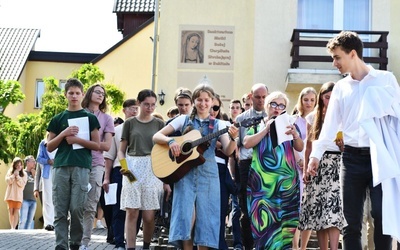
x: 356, y: 177
x: 27, y: 212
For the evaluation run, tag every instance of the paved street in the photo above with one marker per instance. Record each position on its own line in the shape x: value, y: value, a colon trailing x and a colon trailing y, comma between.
x: 42, y: 239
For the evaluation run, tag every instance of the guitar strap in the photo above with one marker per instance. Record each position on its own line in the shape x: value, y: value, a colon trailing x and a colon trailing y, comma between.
x: 211, y: 124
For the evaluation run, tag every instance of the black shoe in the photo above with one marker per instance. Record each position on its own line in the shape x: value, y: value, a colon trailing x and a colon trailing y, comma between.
x: 49, y: 228
x: 112, y: 241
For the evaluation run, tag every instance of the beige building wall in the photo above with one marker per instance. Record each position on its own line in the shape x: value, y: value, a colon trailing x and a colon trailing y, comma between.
x: 392, y: 13
x: 129, y: 66
x: 207, y: 15
x: 4, y: 223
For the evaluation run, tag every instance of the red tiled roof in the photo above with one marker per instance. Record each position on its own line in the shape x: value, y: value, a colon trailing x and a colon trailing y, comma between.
x: 15, y: 46
x: 133, y: 6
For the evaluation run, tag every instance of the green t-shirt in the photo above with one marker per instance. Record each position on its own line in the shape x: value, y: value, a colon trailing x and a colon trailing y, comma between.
x: 139, y: 135
x: 66, y: 155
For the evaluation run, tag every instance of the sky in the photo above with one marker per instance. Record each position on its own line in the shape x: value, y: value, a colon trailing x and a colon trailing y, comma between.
x: 84, y: 26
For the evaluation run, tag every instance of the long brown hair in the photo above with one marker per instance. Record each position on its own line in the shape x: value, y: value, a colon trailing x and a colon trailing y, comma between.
x: 13, y: 166
x: 320, y: 111
x: 88, y: 97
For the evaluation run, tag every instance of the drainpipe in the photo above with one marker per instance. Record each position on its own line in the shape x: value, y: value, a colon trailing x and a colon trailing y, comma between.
x: 155, y: 44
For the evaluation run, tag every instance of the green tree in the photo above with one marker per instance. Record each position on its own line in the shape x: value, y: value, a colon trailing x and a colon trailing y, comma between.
x: 90, y: 74
x: 10, y: 93
x: 54, y: 102
x: 22, y: 137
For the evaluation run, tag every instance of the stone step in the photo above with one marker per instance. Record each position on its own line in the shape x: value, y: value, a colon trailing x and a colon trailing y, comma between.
x: 162, y: 241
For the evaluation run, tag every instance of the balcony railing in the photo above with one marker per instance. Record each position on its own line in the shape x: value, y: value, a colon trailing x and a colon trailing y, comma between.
x: 302, y: 38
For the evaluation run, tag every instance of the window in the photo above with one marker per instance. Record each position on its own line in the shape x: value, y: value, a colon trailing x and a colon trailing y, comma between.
x: 40, y: 87
x: 334, y: 14
x: 39, y: 93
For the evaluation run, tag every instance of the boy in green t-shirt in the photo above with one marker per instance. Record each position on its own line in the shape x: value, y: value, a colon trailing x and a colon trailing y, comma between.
x: 74, y: 133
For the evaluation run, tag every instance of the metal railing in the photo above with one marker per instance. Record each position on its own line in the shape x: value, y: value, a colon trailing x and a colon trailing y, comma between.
x: 318, y: 39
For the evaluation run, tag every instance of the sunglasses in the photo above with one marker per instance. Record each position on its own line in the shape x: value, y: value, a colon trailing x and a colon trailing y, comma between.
x: 215, y: 107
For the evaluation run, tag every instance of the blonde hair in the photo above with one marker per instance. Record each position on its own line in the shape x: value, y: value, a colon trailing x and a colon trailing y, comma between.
x: 299, y: 105
x: 275, y: 95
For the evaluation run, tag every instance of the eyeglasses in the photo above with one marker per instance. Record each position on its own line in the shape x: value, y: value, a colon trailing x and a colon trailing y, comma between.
x: 215, y: 107
x: 149, y: 105
x: 276, y: 105
x: 99, y: 92
x: 133, y: 109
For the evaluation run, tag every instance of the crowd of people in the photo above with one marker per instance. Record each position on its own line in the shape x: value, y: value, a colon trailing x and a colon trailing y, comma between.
x: 271, y: 195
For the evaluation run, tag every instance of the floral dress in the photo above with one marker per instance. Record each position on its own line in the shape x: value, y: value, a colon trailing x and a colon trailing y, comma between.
x: 322, y: 204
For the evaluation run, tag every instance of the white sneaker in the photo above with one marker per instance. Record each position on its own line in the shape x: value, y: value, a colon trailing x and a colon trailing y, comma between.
x: 83, y: 247
x: 99, y: 225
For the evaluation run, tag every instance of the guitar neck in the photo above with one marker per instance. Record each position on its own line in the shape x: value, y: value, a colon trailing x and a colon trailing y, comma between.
x: 213, y: 135
x: 209, y: 137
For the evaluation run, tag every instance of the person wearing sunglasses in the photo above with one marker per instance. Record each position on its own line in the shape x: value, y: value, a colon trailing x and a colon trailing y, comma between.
x: 227, y: 186
x: 273, y: 195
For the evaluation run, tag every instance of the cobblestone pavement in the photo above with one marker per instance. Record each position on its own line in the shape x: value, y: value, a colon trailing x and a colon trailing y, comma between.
x: 42, y: 239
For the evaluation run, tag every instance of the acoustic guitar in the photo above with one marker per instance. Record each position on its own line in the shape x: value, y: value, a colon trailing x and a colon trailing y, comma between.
x: 170, y: 169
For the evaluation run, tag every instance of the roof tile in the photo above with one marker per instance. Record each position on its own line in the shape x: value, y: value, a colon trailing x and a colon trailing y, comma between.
x: 134, y: 6
x: 15, y: 46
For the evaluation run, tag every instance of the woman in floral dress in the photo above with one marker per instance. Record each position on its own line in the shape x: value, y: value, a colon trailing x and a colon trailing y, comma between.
x: 321, y: 209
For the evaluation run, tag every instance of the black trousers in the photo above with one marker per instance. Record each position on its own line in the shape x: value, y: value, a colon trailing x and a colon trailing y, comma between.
x: 247, y: 238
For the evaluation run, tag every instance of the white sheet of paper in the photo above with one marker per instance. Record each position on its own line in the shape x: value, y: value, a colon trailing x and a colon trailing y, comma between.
x: 110, y: 198
x: 84, y: 132
x: 281, y: 123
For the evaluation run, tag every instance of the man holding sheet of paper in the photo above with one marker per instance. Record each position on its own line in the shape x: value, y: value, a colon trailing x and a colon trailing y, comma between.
x: 72, y: 164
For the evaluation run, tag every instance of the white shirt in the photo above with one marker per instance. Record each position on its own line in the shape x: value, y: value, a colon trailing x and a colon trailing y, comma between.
x: 344, y: 107
x: 112, y: 153
x: 310, y: 120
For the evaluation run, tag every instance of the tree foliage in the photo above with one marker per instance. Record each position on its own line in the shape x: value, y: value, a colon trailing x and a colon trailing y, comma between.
x: 22, y: 137
x: 10, y: 93
x: 90, y: 74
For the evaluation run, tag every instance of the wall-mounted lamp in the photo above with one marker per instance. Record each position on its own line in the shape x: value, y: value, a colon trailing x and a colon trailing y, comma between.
x: 162, y: 96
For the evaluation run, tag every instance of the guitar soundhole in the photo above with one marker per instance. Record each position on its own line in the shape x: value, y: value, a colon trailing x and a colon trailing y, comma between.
x: 186, y: 148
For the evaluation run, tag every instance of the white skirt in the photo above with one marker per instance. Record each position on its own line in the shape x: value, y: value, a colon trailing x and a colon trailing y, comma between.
x: 145, y: 193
